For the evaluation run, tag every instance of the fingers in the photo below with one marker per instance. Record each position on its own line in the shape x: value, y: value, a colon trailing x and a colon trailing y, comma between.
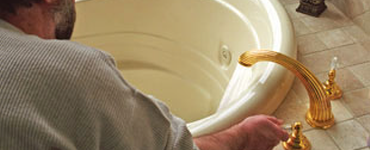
x: 263, y: 131
x: 280, y: 133
x: 284, y: 135
x: 275, y: 120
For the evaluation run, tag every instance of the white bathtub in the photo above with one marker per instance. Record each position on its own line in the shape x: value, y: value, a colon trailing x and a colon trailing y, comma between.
x: 184, y: 52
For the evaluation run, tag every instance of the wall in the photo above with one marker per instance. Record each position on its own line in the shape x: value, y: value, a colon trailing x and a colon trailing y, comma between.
x: 357, y: 10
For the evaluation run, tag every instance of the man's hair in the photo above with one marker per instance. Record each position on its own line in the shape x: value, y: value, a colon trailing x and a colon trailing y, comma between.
x: 10, y: 6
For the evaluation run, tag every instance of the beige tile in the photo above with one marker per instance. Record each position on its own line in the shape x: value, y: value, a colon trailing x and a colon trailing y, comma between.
x: 356, y: 33
x: 362, y: 72
x: 349, y: 135
x: 340, y: 112
x: 363, y: 21
x: 357, y: 7
x: 318, y: 62
x: 310, y: 43
x: 345, y: 79
x: 358, y: 101
x: 329, y: 19
x: 319, y: 24
x: 366, y: 45
x: 291, y: 10
x: 293, y: 109
x: 299, y: 56
x: 339, y: 4
x: 320, y: 140
x: 336, y: 15
x: 365, y: 121
x: 352, y: 8
x: 347, y: 55
x: 300, y: 28
x: 334, y: 38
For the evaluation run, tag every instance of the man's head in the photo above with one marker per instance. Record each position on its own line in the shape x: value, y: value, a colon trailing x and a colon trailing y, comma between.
x: 10, y: 6
x: 64, y: 17
x: 61, y: 13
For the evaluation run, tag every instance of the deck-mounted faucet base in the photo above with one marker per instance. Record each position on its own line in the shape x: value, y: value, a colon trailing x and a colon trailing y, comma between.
x: 319, y: 114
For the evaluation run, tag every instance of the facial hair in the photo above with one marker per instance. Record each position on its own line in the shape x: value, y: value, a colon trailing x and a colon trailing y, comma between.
x: 65, y: 18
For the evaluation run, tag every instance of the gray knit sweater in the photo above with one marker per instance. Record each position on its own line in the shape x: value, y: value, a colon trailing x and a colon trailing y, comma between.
x: 60, y: 95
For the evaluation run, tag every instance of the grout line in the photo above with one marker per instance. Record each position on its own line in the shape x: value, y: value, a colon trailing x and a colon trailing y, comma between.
x: 332, y: 139
x: 347, y: 108
x: 354, y: 90
x: 314, y: 32
x: 309, y: 129
x: 351, y: 35
x: 359, y: 15
x: 343, y: 121
x: 340, y: 68
x: 363, y: 115
x: 342, y: 12
x: 368, y: 132
x: 340, y: 25
x: 357, y: 119
x: 330, y: 49
x: 351, y: 65
x: 362, y: 148
x: 357, y: 76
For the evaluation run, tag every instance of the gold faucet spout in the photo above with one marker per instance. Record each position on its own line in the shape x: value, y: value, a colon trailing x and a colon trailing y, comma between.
x: 319, y: 114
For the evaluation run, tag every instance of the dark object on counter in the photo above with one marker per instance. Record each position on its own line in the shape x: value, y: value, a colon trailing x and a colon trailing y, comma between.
x: 312, y: 7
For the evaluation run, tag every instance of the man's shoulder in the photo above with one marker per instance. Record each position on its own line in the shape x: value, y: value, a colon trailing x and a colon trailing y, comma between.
x: 73, y: 49
x: 74, y: 54
x: 34, y: 44
x: 81, y: 54
x: 60, y: 56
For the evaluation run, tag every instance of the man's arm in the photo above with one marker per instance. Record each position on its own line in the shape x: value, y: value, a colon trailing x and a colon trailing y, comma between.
x: 254, y: 133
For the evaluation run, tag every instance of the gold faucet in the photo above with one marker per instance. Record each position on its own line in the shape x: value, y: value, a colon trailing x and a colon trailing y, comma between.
x: 331, y: 87
x: 297, y: 141
x: 319, y: 114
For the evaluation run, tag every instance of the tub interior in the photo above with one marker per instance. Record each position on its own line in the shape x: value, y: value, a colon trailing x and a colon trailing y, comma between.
x: 183, y: 52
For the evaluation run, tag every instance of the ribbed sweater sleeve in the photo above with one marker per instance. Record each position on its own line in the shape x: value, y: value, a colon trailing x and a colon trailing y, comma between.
x: 60, y: 95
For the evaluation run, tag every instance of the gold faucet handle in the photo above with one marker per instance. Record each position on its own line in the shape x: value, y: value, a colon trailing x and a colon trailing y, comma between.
x: 297, y: 141
x: 331, y: 87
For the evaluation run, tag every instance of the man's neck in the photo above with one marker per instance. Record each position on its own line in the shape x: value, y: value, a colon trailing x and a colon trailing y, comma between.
x: 33, y: 21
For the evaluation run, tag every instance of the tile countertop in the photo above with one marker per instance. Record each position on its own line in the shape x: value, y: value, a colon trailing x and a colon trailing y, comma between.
x: 319, y: 40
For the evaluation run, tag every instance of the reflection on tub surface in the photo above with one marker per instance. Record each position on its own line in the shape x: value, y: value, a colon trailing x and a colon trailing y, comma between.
x: 175, y: 51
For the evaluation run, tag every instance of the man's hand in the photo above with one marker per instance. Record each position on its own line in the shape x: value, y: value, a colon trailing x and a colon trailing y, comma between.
x: 259, y: 132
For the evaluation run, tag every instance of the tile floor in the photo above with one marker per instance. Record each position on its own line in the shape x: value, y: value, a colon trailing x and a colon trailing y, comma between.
x: 320, y: 39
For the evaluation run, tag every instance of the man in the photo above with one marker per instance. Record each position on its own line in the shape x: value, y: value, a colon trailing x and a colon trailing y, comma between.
x: 60, y: 95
